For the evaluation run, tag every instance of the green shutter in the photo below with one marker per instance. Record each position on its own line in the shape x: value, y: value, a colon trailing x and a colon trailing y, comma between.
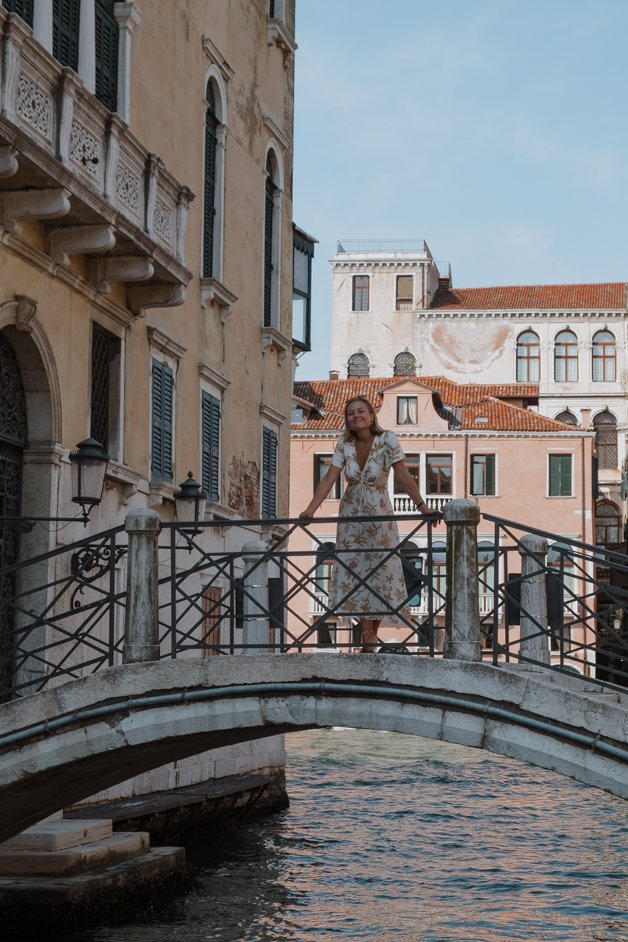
x: 23, y: 8
x: 209, y: 205
x: 269, y: 474
x: 210, y: 445
x: 161, y: 428
x: 106, y: 54
x: 65, y: 31
x: 268, y: 252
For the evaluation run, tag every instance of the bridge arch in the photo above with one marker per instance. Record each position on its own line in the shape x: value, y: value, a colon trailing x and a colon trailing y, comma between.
x: 63, y: 745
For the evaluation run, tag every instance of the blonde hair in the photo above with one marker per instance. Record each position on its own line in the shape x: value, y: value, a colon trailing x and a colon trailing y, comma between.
x: 376, y: 428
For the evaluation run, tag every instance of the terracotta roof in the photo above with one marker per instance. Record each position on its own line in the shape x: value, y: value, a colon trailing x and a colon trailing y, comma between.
x: 472, y: 401
x: 609, y: 296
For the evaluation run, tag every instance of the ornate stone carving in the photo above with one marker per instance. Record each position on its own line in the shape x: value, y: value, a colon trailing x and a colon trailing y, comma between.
x: 163, y: 221
x: 84, y: 149
x: 33, y: 105
x: 128, y: 187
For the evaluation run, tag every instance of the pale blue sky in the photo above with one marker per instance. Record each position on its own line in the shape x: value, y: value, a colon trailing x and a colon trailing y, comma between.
x: 496, y: 130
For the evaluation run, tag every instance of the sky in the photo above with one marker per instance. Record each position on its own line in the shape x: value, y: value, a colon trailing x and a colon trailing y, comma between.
x: 496, y: 130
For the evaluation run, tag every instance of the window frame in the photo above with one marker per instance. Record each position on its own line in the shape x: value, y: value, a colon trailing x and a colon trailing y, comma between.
x: 489, y: 474
x: 599, y: 355
x: 438, y: 492
x: 270, y: 463
x: 113, y: 369
x: 404, y: 303
x: 411, y: 404
x: 365, y: 363
x: 555, y: 487
x: 360, y: 293
x: 320, y: 462
x: 211, y: 440
x: 162, y: 422
x: 566, y: 357
x: 525, y: 363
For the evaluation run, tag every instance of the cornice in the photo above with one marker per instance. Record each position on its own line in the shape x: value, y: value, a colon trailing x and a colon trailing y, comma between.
x: 448, y: 313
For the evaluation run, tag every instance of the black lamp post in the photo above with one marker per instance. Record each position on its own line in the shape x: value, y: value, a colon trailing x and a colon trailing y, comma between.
x: 89, y: 465
x: 189, y: 502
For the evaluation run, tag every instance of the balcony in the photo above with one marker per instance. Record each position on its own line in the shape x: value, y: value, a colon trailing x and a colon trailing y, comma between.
x: 402, y: 504
x: 70, y: 164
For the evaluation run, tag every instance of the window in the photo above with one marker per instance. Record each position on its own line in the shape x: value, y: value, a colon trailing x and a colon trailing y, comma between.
x: 487, y: 564
x: 269, y: 473
x: 106, y: 40
x: 358, y: 365
x: 326, y: 635
x: 566, y: 357
x: 405, y: 364
x: 412, y: 566
x: 324, y: 563
x: 407, y: 410
x: 23, y: 8
x: 438, y: 474
x: 437, y: 561
x: 210, y: 445
x: 567, y: 418
x: 560, y: 475
x: 321, y: 466
x: 65, y: 32
x: 403, y: 293
x: 413, y: 466
x: 161, y: 422
x: 302, y: 255
x: 604, y: 357
x: 607, y: 523
x: 360, y: 293
x: 271, y: 243
x: 104, y: 396
x: 483, y: 475
x: 605, y: 425
x: 528, y: 357
x: 209, y: 193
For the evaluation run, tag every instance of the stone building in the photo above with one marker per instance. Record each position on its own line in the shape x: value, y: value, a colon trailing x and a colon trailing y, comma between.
x: 146, y: 264
x: 396, y: 313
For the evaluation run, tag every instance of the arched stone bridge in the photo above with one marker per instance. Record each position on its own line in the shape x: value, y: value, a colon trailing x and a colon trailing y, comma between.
x: 65, y: 744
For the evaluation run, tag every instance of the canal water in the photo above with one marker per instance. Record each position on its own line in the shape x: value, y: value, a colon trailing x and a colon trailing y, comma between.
x: 398, y: 839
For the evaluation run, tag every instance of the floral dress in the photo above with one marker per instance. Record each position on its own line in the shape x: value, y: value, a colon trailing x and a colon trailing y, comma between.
x: 366, y: 494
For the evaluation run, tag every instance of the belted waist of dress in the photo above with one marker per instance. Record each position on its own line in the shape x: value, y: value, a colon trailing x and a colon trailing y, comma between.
x: 369, y: 484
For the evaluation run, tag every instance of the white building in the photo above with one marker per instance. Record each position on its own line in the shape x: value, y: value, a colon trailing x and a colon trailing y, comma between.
x: 396, y: 313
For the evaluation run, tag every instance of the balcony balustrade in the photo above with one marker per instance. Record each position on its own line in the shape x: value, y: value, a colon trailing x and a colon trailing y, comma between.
x: 68, y: 162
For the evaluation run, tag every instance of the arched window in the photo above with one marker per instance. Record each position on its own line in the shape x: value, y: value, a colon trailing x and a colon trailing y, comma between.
x: 272, y: 242
x: 567, y: 417
x: 405, y: 364
x: 358, y: 365
x: 604, y: 357
x: 566, y: 357
x: 209, y: 202
x: 528, y: 357
x: 607, y: 523
x: 605, y: 425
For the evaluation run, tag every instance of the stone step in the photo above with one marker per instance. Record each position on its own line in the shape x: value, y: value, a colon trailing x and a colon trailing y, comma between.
x: 59, y: 835
x: 83, y: 858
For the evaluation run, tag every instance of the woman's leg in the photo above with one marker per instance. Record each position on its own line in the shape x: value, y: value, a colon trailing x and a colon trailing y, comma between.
x: 368, y: 634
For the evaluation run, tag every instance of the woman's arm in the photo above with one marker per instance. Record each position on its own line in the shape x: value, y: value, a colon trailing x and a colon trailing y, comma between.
x: 324, y: 487
x: 409, y: 485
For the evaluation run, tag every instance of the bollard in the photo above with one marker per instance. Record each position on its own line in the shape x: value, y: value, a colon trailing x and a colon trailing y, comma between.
x: 141, y: 632
x: 462, y: 614
x: 255, y: 603
x: 534, y: 644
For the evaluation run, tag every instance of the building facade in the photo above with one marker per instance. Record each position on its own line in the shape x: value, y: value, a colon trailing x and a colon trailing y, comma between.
x: 396, y: 313
x: 146, y: 263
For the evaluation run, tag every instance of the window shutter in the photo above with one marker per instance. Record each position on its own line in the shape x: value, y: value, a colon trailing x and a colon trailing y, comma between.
x: 106, y: 54
x: 65, y: 31
x: 23, y: 8
x: 268, y: 252
x: 269, y: 474
x: 161, y: 431
x: 209, y: 206
x: 210, y: 435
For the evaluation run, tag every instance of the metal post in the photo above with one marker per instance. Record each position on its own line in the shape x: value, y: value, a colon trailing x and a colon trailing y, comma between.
x: 255, y: 602
x: 462, y: 616
x: 141, y: 633
x: 534, y: 635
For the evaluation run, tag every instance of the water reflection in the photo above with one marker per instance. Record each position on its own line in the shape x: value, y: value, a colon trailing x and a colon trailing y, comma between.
x: 390, y: 837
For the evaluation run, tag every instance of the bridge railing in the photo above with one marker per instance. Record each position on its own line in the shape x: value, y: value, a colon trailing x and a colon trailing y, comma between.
x: 161, y: 590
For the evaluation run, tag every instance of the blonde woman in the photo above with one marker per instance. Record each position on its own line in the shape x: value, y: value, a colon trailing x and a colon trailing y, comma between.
x: 367, y: 453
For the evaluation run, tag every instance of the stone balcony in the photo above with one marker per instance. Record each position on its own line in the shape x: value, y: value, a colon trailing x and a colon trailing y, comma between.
x: 69, y: 163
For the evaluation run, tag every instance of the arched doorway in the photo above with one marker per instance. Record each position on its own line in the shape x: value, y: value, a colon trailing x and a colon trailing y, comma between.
x: 13, y: 439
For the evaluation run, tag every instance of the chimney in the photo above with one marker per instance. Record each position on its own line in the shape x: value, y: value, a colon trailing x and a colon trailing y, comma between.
x: 334, y: 374
x: 585, y: 418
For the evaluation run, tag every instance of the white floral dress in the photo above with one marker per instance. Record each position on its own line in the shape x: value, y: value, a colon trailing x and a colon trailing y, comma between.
x: 366, y: 494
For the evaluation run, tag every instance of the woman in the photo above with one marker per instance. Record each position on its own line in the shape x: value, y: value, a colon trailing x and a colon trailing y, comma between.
x: 367, y: 453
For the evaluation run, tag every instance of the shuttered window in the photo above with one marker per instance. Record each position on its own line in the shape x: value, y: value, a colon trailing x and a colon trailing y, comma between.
x: 161, y: 426
x: 23, y: 8
x: 210, y: 445
x: 560, y: 477
x: 104, y: 389
x: 269, y: 206
x: 65, y: 32
x: 269, y: 474
x: 106, y: 54
x: 209, y: 205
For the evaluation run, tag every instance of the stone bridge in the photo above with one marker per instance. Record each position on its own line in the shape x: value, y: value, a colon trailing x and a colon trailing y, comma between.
x: 66, y: 743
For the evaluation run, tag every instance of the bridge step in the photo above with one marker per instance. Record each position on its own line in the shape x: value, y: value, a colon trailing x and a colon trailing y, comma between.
x: 59, y: 835
x: 83, y: 858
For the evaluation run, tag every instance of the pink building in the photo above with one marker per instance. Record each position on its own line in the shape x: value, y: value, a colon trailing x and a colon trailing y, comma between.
x: 461, y: 441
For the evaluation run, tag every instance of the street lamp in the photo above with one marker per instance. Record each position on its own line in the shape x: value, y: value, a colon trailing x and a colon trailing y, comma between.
x: 189, y: 502
x: 89, y: 464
